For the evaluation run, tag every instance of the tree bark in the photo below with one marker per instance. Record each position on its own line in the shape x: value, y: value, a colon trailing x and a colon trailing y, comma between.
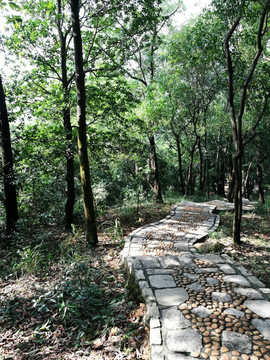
x: 180, y: 167
x: 90, y: 218
x: 246, y: 183
x: 190, y: 168
x: 237, y: 200
x: 154, y: 177
x: 69, y: 152
x: 7, y: 166
x: 260, y: 180
x: 201, y: 168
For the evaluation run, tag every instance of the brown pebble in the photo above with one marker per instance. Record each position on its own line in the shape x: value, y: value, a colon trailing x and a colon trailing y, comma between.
x: 228, y: 319
x: 235, y: 358
x: 224, y: 357
x: 256, y: 347
x: 206, y: 333
x: 207, y: 340
x: 245, y: 357
x: 215, y: 352
x: 204, y: 355
x: 267, y: 357
x: 259, y: 343
x: 235, y: 353
x: 263, y: 350
x: 195, y: 354
x: 241, y: 331
x: 254, y: 357
x: 224, y: 349
x: 208, y: 350
x: 258, y: 353
x: 213, y: 357
x: 182, y: 307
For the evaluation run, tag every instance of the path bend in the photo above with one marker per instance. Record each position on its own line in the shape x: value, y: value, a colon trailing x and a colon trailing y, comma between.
x: 198, y: 306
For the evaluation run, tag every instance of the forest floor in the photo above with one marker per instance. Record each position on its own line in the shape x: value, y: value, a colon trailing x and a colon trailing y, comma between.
x: 61, y: 300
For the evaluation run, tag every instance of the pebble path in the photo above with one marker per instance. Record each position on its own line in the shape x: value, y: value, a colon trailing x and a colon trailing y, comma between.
x: 198, y: 306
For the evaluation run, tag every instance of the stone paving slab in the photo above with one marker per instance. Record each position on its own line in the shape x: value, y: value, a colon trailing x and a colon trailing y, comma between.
x: 198, y: 306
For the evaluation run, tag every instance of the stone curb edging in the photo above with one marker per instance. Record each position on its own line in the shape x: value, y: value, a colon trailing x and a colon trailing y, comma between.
x: 172, y: 278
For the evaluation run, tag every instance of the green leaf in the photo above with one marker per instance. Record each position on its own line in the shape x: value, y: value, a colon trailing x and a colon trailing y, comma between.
x: 14, y: 6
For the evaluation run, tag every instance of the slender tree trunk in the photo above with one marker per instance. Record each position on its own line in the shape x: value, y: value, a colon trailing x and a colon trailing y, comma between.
x: 7, y: 166
x: 237, y: 199
x: 69, y: 152
x: 221, y: 182
x: 180, y: 167
x: 154, y: 178
x: 260, y: 180
x: 230, y: 194
x: 201, y: 178
x: 90, y: 218
x: 190, y: 168
x: 246, y: 183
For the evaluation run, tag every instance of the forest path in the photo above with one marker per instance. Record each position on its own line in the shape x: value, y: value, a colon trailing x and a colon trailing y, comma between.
x: 198, y: 306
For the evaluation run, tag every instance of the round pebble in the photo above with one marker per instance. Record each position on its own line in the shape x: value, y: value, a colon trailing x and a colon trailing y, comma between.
x: 195, y: 354
x: 224, y: 357
x: 204, y: 355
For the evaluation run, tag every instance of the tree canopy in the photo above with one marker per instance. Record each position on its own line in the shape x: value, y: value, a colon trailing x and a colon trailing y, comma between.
x: 157, y: 109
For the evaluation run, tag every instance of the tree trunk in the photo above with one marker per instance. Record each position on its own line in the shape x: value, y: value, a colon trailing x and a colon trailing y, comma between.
x: 154, y: 177
x: 221, y: 180
x: 201, y: 169
x: 190, y: 168
x: 90, y: 218
x: 260, y: 179
x: 237, y: 199
x: 7, y: 166
x: 230, y: 195
x: 246, y: 183
x: 180, y: 168
x: 69, y: 152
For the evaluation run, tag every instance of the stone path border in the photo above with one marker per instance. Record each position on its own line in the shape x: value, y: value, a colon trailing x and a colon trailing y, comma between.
x: 198, y: 306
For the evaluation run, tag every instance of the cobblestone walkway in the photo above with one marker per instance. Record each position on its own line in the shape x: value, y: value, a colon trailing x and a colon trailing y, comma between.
x: 198, y: 306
